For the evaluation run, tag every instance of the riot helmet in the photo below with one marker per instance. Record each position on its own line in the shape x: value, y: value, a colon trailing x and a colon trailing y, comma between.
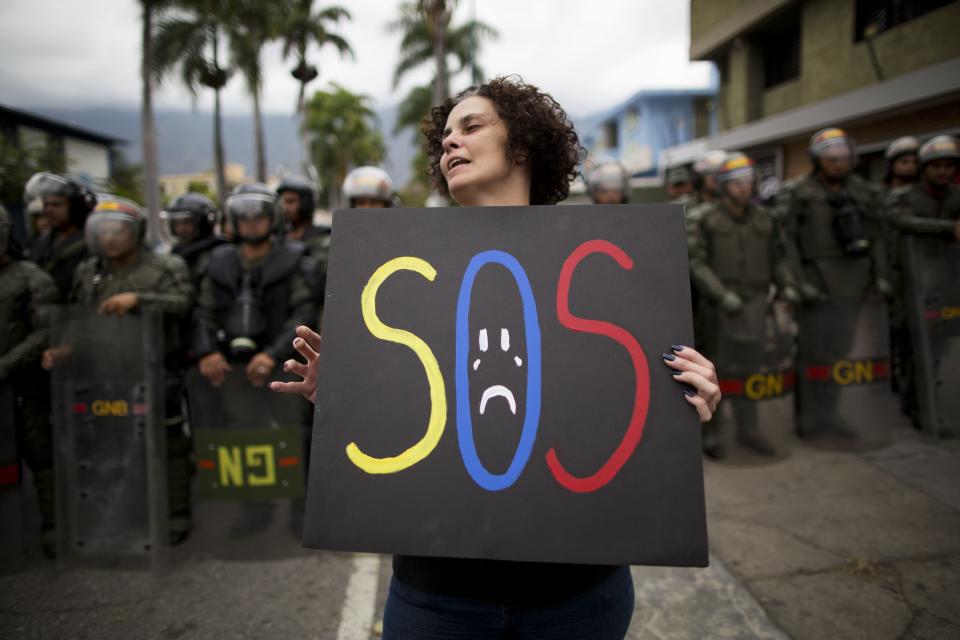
x: 252, y: 187
x: 902, y: 161
x: 736, y: 177
x: 939, y: 148
x: 116, y: 227
x: 833, y: 152
x: 705, y: 170
x: 609, y: 183
x: 368, y: 183
x: 191, y: 207
x: 939, y: 158
x: 305, y: 202
x: 80, y: 197
x: 901, y: 146
x: 254, y: 205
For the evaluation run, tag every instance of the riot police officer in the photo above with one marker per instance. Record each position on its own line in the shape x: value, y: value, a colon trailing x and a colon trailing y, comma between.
x: 928, y: 210
x: 678, y: 181
x: 25, y: 293
x: 932, y: 205
x: 705, y: 185
x: 191, y: 224
x: 122, y: 276
x: 901, y: 159
x: 609, y: 183
x: 368, y: 188
x: 298, y: 203
x: 66, y: 203
x: 254, y: 294
x: 834, y: 240
x: 735, y: 260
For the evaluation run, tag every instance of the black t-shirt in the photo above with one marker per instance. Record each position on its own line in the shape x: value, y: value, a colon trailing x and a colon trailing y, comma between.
x: 498, y: 581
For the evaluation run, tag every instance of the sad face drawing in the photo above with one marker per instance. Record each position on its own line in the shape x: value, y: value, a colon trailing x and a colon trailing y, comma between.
x: 496, y: 390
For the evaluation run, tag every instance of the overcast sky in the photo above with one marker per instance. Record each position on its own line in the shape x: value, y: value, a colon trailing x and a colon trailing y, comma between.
x: 589, y: 55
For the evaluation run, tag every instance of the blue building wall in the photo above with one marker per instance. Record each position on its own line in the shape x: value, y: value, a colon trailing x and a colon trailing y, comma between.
x: 646, y: 123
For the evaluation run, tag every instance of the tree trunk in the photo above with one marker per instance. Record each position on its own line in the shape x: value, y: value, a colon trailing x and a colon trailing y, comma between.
x: 259, y: 143
x: 439, y: 21
x: 148, y: 134
x: 218, y: 136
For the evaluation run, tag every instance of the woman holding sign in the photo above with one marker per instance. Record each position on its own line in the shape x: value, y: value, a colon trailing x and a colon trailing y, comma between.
x: 506, y: 143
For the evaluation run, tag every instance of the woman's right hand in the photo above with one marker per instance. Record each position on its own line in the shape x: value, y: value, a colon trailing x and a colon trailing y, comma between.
x: 307, y: 344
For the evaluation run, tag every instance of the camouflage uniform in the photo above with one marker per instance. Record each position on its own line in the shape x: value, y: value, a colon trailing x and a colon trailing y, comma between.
x: 734, y: 260
x: 163, y: 283
x: 914, y: 210
x: 25, y: 293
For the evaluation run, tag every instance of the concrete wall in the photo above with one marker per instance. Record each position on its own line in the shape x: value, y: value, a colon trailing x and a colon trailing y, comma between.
x: 831, y: 62
x: 89, y: 158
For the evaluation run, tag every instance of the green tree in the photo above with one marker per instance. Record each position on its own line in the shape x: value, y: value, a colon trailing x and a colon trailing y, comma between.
x: 127, y: 179
x: 304, y: 27
x: 256, y: 23
x: 341, y: 128
x: 18, y: 163
x: 427, y: 36
x: 190, y: 39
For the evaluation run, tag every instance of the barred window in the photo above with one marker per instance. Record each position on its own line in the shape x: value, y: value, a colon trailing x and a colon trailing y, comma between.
x: 882, y: 15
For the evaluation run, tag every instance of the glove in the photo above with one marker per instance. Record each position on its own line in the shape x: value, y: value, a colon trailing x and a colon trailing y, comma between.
x: 731, y: 303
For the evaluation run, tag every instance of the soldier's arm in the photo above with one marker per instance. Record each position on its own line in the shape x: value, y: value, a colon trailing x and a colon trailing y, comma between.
x: 43, y: 293
x: 905, y: 222
x: 174, y: 294
x: 702, y: 275
x: 302, y: 311
x: 205, y: 320
x: 783, y: 274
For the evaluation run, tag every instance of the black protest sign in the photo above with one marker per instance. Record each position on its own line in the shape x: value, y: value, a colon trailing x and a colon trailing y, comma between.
x: 491, y: 386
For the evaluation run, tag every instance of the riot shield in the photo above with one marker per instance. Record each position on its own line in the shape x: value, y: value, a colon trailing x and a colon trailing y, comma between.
x: 753, y: 354
x: 932, y: 298
x: 11, y: 533
x: 250, y: 466
x: 109, y: 444
x: 843, y: 371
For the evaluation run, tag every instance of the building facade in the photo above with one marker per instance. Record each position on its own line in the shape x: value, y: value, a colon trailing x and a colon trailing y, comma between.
x: 878, y: 68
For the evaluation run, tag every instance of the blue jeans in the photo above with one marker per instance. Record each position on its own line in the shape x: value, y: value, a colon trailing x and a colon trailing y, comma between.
x: 602, y: 613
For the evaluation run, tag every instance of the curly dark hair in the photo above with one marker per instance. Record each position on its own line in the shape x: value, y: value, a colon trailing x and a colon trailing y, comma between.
x: 538, y: 130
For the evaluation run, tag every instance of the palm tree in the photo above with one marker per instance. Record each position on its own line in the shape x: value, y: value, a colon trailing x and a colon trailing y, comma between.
x: 304, y: 26
x: 427, y: 35
x: 191, y: 40
x: 341, y: 128
x: 148, y: 129
x: 256, y: 22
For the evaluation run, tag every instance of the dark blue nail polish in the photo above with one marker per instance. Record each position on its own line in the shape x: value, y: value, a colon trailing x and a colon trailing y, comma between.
x: 689, y: 393
x: 677, y: 347
x: 668, y: 356
x: 676, y: 372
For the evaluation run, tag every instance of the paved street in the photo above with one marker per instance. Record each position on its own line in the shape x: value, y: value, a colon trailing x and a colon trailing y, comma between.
x: 821, y: 545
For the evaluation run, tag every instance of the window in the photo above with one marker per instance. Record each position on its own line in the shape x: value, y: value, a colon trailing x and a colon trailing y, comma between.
x: 780, y: 48
x: 702, y: 112
x: 611, y: 134
x: 883, y: 15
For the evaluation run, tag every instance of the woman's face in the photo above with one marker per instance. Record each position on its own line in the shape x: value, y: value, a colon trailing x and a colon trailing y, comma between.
x: 474, y: 161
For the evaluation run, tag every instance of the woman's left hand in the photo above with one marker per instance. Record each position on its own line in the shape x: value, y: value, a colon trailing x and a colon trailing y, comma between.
x: 691, y: 368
